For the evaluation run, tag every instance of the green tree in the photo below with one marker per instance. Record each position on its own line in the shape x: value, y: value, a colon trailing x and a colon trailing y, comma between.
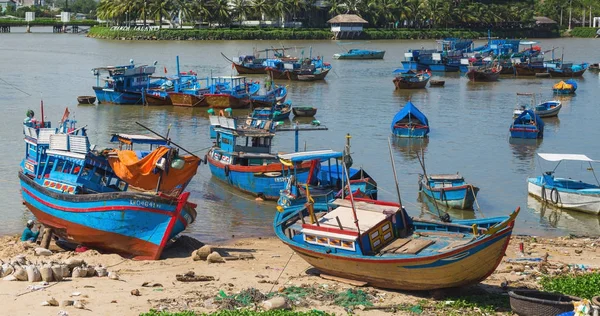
x: 220, y: 11
x: 241, y: 9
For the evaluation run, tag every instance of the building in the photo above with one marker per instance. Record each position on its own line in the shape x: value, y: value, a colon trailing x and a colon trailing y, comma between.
x: 7, y: 3
x: 347, y: 26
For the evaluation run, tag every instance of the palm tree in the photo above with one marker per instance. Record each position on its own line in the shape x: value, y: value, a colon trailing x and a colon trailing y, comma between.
x: 336, y: 7
x: 281, y: 8
x: 241, y: 9
x: 159, y: 9
x: 262, y: 8
x: 220, y: 11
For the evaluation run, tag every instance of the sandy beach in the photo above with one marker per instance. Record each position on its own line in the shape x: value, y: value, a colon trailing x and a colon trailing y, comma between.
x: 268, y: 266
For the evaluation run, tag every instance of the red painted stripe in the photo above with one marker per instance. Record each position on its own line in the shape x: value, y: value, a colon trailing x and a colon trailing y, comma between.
x: 330, y: 229
x: 461, y: 187
x: 180, y: 205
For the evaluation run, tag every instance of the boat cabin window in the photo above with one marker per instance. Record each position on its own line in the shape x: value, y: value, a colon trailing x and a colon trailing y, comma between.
x: 60, y: 165
x: 261, y: 142
x: 86, y: 172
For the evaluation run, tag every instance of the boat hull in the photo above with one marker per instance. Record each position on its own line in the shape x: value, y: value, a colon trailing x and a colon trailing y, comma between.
x: 296, y: 76
x: 474, y: 75
x: 187, y: 100
x: 405, y: 84
x: 459, y: 197
x: 86, y: 99
x: 117, y: 97
x: 525, y: 70
x: 525, y: 131
x: 304, y: 112
x: 223, y: 101
x: 266, y: 181
x: 151, y: 99
x: 243, y: 70
x: 133, y: 224
x: 562, y: 198
x: 565, y: 74
x: 411, y: 132
x: 464, y: 266
x: 371, y: 55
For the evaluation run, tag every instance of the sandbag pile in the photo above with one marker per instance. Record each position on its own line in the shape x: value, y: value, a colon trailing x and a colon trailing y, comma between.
x: 20, y: 268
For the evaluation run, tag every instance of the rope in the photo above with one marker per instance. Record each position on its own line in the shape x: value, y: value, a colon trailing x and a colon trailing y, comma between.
x: 14, y: 87
x: 475, y: 198
x: 280, y: 273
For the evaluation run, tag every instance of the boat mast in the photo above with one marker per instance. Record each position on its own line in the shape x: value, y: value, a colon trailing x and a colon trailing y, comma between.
x: 404, y: 221
x: 352, y: 202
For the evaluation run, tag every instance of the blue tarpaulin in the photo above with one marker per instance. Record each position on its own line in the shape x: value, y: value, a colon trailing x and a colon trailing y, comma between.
x: 410, y: 110
x: 527, y: 116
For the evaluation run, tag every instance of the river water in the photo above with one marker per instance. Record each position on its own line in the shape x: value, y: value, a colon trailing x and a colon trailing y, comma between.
x: 469, y: 124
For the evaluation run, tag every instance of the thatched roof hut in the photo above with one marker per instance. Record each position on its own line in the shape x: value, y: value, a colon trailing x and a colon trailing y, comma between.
x: 347, y: 25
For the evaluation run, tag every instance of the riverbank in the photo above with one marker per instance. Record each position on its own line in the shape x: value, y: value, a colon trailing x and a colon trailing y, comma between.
x: 265, y: 265
x: 296, y: 34
x: 585, y: 32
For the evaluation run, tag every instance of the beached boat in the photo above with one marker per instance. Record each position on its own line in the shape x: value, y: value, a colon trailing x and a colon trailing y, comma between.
x: 484, y: 73
x: 410, y: 79
x: 124, y: 84
x: 231, y: 92
x: 242, y: 157
x: 360, y: 54
x: 567, y: 70
x: 304, y: 111
x: 450, y: 190
x: 325, y: 180
x: 113, y: 201
x: 527, y: 125
x: 86, y: 99
x: 544, y: 109
x: 277, y: 112
x: 410, y: 122
x: 566, y: 193
x: 276, y: 94
x: 380, y: 244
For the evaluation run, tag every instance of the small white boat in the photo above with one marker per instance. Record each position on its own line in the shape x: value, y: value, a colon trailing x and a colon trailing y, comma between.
x: 544, y: 109
x: 566, y: 192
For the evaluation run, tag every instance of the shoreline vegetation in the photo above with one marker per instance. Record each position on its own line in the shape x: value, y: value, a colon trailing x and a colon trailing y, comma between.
x: 305, y: 34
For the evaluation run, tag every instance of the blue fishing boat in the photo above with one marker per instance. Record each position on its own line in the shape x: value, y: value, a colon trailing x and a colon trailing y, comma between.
x: 124, y: 84
x: 231, y: 92
x: 527, y: 125
x: 276, y: 112
x: 410, y: 79
x: 449, y: 190
x: 379, y: 243
x: 85, y: 195
x: 566, y: 192
x: 360, y: 54
x: 566, y: 70
x: 410, y: 122
x: 276, y: 94
x: 412, y: 57
x: 309, y: 69
x: 565, y: 87
x: 325, y: 179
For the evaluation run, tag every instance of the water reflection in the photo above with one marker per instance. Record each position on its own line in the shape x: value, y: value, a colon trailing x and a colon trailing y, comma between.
x: 552, y: 122
x: 410, y: 147
x: 481, y: 86
x: 564, y: 219
x: 524, y: 151
x: 431, y: 209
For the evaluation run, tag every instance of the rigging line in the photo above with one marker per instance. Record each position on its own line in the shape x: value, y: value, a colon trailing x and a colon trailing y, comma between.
x: 286, y: 264
x: 14, y: 87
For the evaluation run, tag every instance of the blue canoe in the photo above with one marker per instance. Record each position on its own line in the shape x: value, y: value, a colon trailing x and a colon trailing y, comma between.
x: 527, y: 125
x: 449, y: 190
x: 360, y: 54
x: 410, y: 122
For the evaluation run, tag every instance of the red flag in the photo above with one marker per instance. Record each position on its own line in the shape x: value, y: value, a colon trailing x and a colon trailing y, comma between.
x: 65, y: 115
x: 165, y: 69
x: 42, y: 106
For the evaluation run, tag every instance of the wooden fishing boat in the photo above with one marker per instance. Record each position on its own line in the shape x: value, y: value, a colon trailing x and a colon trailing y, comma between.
x: 360, y: 54
x: 410, y: 122
x: 484, y: 74
x: 86, y: 99
x: 567, y: 70
x: 527, y: 125
x: 449, y: 190
x: 304, y: 111
x: 235, y: 94
x: 299, y: 75
x: 85, y: 197
x: 124, y: 83
x: 379, y: 243
x: 277, y: 112
x: 410, y: 79
x: 566, y: 193
x: 436, y: 83
x: 187, y: 100
x: 275, y: 95
x: 524, y: 69
x: 157, y: 98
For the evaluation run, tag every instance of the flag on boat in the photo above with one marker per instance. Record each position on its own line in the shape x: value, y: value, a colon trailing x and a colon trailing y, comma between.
x: 165, y: 67
x: 65, y: 115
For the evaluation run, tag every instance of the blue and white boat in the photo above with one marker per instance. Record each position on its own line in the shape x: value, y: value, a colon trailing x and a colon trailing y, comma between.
x: 545, y: 109
x: 527, y: 125
x: 410, y: 122
x: 449, y: 190
x: 276, y: 94
x: 124, y: 84
x: 360, y: 54
x: 566, y: 193
x: 85, y: 197
x: 276, y: 112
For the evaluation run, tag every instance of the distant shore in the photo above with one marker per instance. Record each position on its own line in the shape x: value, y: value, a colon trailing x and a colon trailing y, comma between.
x: 299, y: 34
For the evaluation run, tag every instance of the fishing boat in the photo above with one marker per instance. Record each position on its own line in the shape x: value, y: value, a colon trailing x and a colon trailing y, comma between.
x: 276, y: 94
x: 253, y: 64
x: 360, y: 54
x: 86, y: 99
x: 157, y: 97
x: 308, y: 70
x: 527, y: 125
x: 120, y: 201
x: 567, y: 70
x: 124, y: 84
x: 410, y: 79
x: 325, y: 180
x: 484, y: 73
x: 378, y: 243
x: 565, y: 87
x: 231, y: 92
x: 544, y: 109
x: 566, y: 193
x: 304, y: 111
x: 277, y: 112
x: 594, y: 67
x: 188, y: 90
x: 242, y: 157
x: 436, y: 83
x: 450, y: 190
x: 410, y: 122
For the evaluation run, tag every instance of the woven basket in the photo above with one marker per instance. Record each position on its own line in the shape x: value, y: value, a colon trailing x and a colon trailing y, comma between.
x: 537, y: 303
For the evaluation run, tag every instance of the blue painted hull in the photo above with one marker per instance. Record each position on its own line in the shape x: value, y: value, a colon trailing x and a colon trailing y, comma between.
x: 125, y: 222
x: 461, y: 198
x: 115, y: 97
x: 409, y: 65
x: 525, y: 131
x: 410, y: 132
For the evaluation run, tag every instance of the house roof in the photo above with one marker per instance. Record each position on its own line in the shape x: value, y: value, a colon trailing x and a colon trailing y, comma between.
x: 347, y: 18
x: 543, y: 20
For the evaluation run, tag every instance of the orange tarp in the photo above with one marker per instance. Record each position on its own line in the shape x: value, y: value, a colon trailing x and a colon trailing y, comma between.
x: 140, y: 172
x: 562, y: 86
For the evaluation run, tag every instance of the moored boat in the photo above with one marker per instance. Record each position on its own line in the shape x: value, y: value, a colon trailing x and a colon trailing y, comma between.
x: 231, y: 92
x: 277, y: 112
x: 565, y: 87
x: 527, y: 125
x: 308, y: 70
x: 567, y: 70
x: 449, y: 190
x: 304, y: 111
x: 410, y: 79
x: 436, y: 83
x: 86, y: 99
x: 484, y: 73
x: 544, y: 109
x: 277, y: 94
x: 124, y: 84
x: 566, y: 193
x: 360, y: 54
x: 410, y: 122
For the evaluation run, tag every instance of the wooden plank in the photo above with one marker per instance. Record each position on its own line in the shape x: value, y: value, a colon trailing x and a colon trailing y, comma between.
x: 343, y: 280
x: 414, y: 246
x: 397, y: 244
x: 454, y: 244
x: 446, y: 234
x: 364, y: 206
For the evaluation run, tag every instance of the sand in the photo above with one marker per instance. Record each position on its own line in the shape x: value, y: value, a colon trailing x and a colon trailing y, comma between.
x: 273, y: 268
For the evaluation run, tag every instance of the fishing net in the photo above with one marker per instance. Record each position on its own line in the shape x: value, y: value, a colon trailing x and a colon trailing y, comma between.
x: 353, y: 298
x: 242, y: 299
